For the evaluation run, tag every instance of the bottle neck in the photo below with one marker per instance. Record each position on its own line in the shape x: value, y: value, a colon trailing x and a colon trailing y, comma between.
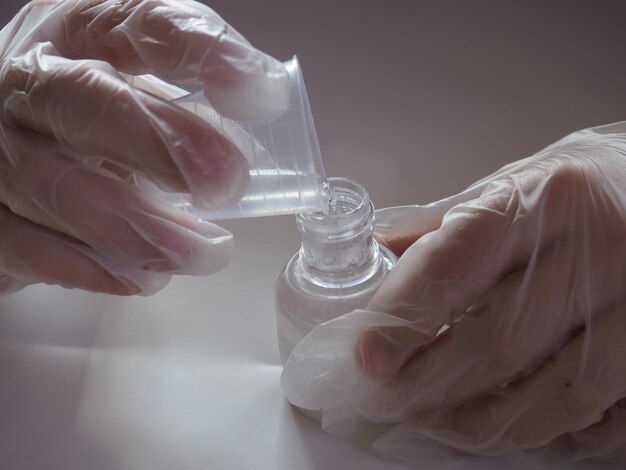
x: 338, y: 248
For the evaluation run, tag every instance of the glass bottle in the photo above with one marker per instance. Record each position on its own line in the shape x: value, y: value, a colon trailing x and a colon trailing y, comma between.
x: 338, y: 268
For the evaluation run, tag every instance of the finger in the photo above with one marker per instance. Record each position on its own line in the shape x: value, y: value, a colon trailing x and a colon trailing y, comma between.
x: 479, y: 242
x: 34, y: 254
x: 569, y: 393
x: 113, y: 217
x: 8, y: 284
x: 400, y: 227
x: 90, y: 108
x: 509, y: 331
x: 180, y: 40
x: 603, y: 441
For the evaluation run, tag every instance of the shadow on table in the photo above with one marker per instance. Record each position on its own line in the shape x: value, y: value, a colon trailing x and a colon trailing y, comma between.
x: 41, y: 391
x: 46, y: 339
x: 43, y: 315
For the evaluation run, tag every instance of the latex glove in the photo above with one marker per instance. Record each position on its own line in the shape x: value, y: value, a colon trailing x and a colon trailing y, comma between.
x: 73, y: 133
x: 528, y: 269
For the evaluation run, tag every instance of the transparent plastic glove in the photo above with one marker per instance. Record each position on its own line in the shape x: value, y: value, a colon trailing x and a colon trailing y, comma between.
x: 74, y: 133
x: 527, y: 271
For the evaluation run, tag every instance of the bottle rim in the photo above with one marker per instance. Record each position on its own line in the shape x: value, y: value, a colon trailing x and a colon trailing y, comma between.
x: 353, y: 197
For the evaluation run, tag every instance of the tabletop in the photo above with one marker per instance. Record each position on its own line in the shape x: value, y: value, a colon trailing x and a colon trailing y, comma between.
x: 186, y: 379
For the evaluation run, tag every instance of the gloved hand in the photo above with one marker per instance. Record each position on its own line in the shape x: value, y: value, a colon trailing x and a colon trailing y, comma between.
x: 525, y: 273
x: 73, y: 133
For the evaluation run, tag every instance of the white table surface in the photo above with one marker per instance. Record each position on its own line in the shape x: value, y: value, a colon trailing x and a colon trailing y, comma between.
x: 187, y: 379
x: 415, y: 99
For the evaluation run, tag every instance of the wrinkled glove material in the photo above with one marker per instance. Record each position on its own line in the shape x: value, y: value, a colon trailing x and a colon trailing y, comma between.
x: 502, y: 326
x: 74, y: 135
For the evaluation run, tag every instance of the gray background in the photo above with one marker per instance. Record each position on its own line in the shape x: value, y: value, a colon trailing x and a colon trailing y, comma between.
x: 417, y: 99
x: 414, y: 99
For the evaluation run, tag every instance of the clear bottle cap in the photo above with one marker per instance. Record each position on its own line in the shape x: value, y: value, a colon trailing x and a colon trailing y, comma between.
x: 286, y: 169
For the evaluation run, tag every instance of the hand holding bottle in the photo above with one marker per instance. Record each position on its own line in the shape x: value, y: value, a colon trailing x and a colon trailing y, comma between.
x: 502, y: 326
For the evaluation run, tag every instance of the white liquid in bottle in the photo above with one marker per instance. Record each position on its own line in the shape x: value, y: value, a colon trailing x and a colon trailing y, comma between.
x: 337, y: 270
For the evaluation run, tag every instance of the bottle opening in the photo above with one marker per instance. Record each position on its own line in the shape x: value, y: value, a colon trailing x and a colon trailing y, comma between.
x: 348, y: 203
x: 346, y: 197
